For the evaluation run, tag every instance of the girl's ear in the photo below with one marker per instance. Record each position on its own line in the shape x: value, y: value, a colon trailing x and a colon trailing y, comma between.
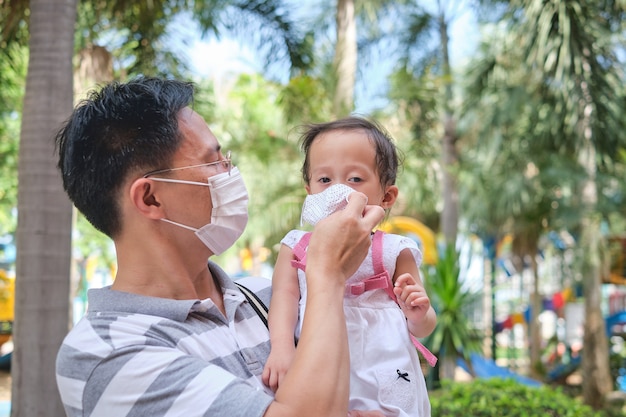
x: 307, y: 187
x: 390, y: 197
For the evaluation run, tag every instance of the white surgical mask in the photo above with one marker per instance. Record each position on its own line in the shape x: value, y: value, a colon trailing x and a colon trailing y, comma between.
x: 230, y: 211
x: 321, y: 205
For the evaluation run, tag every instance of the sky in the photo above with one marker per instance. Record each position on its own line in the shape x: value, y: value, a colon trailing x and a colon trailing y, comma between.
x: 212, y: 58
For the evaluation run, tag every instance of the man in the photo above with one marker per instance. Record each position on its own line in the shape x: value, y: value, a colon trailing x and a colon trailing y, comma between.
x: 172, y: 337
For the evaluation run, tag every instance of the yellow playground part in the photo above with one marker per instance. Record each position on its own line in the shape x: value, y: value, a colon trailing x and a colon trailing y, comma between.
x: 7, y: 296
x: 7, y: 300
x: 422, y: 234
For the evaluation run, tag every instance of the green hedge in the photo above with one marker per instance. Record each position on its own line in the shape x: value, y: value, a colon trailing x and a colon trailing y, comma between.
x: 496, y: 397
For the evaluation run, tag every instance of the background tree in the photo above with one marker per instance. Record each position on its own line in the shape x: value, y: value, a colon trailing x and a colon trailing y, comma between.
x: 359, y: 29
x: 573, y: 80
x: 44, y: 213
x: 345, y: 61
x: 414, y: 122
x: 425, y: 40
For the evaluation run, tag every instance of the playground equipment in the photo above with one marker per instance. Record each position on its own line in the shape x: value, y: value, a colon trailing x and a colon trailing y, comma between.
x: 487, y: 368
x: 563, y: 370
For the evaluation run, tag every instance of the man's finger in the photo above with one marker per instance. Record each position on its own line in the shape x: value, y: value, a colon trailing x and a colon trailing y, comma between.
x: 373, y: 215
x: 356, y: 202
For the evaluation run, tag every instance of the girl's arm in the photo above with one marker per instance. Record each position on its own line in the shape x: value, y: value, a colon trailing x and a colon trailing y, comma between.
x: 282, y: 318
x: 412, y: 297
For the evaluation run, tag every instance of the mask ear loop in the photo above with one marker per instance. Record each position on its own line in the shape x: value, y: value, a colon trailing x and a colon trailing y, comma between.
x: 175, y: 181
x: 193, y: 229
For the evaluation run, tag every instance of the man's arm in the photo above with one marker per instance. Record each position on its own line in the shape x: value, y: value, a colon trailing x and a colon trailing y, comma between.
x: 317, y: 383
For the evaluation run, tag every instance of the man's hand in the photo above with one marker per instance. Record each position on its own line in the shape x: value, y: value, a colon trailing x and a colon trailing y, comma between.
x: 340, y: 242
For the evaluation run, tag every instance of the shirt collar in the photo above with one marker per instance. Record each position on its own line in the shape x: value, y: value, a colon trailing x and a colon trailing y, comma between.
x: 103, y: 300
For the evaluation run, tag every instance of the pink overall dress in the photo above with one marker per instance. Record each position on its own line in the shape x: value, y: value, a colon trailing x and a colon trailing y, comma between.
x: 385, y: 372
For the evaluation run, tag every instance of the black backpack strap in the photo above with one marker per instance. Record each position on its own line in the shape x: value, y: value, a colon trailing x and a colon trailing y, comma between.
x: 255, y: 302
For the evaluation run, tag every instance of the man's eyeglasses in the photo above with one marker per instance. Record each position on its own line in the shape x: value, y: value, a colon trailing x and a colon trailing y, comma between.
x: 226, y: 163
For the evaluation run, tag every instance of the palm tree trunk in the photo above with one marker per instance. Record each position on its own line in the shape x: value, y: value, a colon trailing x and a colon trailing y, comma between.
x: 534, y: 327
x: 44, y: 214
x: 449, y: 155
x: 595, y: 357
x: 448, y: 367
x: 345, y: 60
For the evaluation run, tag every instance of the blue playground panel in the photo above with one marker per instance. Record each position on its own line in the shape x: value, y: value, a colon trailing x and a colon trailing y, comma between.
x: 5, y: 408
x: 565, y: 369
x: 617, y: 318
x: 487, y: 368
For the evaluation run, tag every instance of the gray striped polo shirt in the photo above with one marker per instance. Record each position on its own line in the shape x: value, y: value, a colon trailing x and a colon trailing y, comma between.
x: 143, y: 356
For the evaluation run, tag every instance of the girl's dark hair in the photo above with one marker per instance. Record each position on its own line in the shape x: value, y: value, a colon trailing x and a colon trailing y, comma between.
x: 387, y: 160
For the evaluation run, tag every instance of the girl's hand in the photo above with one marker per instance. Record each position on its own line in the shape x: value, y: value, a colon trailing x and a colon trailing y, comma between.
x: 412, y: 298
x: 276, y: 367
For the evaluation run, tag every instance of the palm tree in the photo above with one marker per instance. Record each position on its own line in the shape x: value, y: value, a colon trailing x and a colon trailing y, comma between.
x: 587, y: 67
x: 45, y: 214
x: 415, y: 111
x: 345, y: 61
x: 422, y: 29
x: 356, y: 29
x: 572, y: 79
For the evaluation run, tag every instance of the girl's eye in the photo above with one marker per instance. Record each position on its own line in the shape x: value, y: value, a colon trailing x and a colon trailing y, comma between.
x: 324, y: 180
x: 355, y: 179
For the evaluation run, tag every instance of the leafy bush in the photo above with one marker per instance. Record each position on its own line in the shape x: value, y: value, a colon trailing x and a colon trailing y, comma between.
x: 496, y: 397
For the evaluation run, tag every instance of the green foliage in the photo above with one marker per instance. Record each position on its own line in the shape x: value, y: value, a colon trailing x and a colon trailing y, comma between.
x: 14, y: 15
x: 249, y: 121
x: 415, y: 104
x: 12, y: 80
x: 497, y: 397
x: 269, y: 25
x: 454, y: 335
x: 304, y: 99
x: 90, y: 242
x: 136, y: 33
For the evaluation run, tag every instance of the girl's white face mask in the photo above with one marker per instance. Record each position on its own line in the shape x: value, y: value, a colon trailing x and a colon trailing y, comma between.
x: 321, y: 205
x: 229, y: 216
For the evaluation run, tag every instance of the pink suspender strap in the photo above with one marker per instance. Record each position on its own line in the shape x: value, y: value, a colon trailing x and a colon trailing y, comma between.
x: 375, y: 283
x: 379, y: 269
x: 377, y: 252
x: 380, y: 280
x: 428, y: 355
x: 299, y: 252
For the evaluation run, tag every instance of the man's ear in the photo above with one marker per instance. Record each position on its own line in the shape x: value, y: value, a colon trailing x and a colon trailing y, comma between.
x: 144, y: 199
x: 390, y: 197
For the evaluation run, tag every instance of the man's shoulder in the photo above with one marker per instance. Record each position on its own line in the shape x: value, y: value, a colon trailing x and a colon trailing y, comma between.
x: 261, y: 286
x: 255, y: 284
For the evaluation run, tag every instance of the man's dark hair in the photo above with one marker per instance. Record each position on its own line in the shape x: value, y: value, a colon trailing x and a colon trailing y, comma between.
x: 123, y: 129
